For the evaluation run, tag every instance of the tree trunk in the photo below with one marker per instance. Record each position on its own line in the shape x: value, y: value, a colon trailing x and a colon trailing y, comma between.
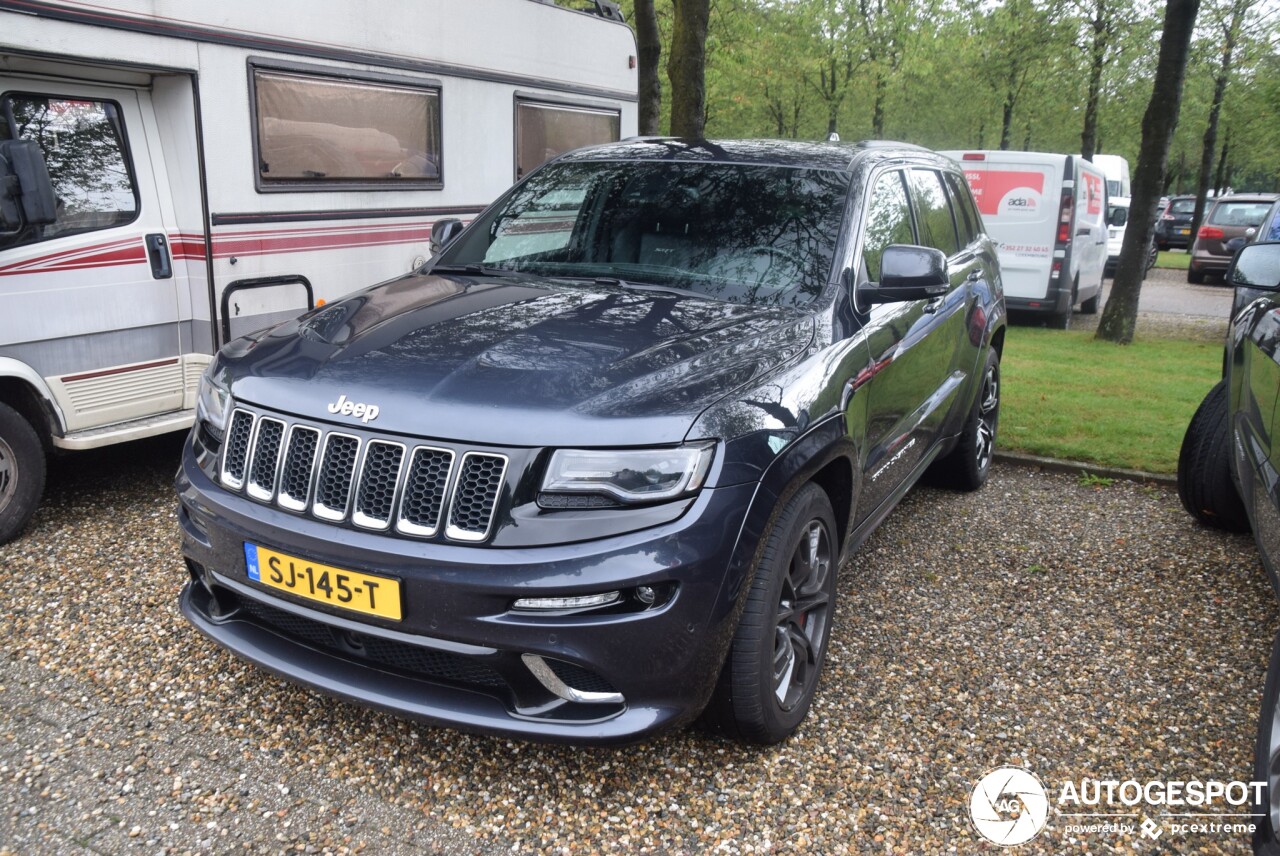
x: 649, y: 50
x: 877, y: 110
x: 1222, y: 180
x: 687, y: 67
x: 1097, y: 59
x: 1006, y: 126
x: 1230, y: 33
x: 1121, y: 313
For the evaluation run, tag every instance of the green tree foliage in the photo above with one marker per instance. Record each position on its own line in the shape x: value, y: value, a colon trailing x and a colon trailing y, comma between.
x: 982, y: 73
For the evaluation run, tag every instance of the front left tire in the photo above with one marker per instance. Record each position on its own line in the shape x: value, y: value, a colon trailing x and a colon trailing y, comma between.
x: 770, y: 676
x: 1205, y: 486
x: 22, y: 473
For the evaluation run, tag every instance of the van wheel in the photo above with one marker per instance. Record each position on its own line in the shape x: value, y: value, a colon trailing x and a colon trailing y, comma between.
x: 21, y: 473
x: 1090, y: 306
x: 967, y: 466
x: 771, y: 673
x: 1205, y: 485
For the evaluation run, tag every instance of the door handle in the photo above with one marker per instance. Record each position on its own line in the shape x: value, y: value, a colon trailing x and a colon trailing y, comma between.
x: 158, y: 255
x: 974, y: 275
x: 932, y: 306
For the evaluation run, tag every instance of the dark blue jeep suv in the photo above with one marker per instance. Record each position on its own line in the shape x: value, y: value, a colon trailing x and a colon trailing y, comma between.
x: 590, y: 473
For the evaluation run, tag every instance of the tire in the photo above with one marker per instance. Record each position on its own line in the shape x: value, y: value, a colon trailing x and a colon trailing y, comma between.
x: 1152, y: 256
x: 771, y: 673
x: 1205, y: 486
x: 967, y: 466
x: 22, y: 471
x: 1062, y: 320
x: 1090, y: 306
x: 1195, y: 277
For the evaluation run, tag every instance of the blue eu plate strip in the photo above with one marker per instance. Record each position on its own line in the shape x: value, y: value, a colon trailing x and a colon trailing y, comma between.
x: 251, y: 561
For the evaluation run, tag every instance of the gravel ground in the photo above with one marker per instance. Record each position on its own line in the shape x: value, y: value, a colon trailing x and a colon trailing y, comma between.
x: 1080, y: 631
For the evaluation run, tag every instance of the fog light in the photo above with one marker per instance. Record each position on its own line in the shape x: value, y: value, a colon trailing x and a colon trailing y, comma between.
x: 646, y: 595
x: 586, y: 601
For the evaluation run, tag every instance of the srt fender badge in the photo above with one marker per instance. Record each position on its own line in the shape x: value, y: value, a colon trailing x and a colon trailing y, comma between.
x: 364, y: 412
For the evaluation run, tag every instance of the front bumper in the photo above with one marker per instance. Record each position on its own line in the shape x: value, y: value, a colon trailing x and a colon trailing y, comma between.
x: 458, y: 656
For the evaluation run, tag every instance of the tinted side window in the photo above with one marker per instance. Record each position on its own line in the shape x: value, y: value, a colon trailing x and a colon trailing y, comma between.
x: 967, y: 223
x: 937, y: 229
x: 83, y: 147
x: 314, y: 130
x: 544, y: 131
x: 888, y: 222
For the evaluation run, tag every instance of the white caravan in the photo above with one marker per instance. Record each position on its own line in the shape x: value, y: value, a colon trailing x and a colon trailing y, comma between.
x: 1047, y: 214
x: 175, y: 174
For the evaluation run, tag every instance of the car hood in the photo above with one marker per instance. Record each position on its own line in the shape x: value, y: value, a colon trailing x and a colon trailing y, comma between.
x: 526, y: 362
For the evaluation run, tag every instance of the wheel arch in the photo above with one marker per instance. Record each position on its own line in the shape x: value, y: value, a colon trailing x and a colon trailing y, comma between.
x: 26, y: 392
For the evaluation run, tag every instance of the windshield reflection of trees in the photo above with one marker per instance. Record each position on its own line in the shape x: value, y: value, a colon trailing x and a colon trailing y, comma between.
x: 738, y: 232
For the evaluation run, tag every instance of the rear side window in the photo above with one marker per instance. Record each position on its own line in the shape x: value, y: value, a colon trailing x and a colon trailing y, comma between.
x: 544, y: 131
x: 937, y: 228
x: 1182, y: 206
x: 314, y: 131
x: 1239, y: 213
x: 968, y: 223
x: 83, y: 144
x: 888, y: 221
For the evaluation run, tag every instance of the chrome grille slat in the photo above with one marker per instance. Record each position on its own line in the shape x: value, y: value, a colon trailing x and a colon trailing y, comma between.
x: 337, y: 471
x: 265, y: 461
x: 369, y: 482
x: 377, y: 487
x: 235, y: 457
x: 299, y: 465
x: 424, y: 491
x: 475, y: 496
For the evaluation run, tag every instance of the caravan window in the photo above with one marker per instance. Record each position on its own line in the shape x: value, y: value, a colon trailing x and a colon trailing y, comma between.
x: 544, y: 131
x: 321, y: 131
x: 83, y: 144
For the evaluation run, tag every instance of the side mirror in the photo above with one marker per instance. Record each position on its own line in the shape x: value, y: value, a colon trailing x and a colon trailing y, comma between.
x: 443, y: 232
x: 1119, y: 217
x: 908, y: 273
x: 26, y: 193
x: 1256, y: 266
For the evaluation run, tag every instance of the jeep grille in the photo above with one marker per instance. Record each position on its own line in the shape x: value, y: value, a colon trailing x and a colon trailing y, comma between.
x: 372, y: 483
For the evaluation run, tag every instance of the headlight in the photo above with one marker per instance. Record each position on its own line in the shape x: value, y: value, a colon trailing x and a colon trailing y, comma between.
x: 213, y: 405
x: 629, y: 475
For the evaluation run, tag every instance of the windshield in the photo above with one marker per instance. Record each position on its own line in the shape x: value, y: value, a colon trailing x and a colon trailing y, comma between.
x: 1239, y: 213
x: 742, y: 233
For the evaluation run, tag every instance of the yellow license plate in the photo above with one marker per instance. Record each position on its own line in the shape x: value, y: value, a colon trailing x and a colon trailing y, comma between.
x: 363, y: 593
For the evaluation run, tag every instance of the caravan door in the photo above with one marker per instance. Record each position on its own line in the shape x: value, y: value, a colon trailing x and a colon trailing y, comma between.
x: 94, y: 303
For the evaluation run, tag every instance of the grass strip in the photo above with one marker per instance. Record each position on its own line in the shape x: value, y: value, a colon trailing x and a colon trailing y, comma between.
x: 1066, y: 395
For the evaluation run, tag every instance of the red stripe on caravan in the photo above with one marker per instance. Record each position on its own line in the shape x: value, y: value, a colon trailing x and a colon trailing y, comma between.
x: 103, y: 255
x: 316, y: 230
x: 106, y: 372
x: 38, y: 262
x: 294, y: 243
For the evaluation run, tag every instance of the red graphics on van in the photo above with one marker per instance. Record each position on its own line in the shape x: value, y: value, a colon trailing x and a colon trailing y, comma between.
x: 991, y: 189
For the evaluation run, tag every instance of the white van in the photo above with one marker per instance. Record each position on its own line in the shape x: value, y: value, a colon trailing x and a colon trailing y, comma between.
x: 174, y: 175
x: 1047, y: 214
x: 1116, y: 169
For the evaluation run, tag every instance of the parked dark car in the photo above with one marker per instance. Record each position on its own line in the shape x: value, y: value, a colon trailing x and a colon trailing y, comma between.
x: 1173, y: 225
x: 1228, y: 217
x: 592, y: 471
x: 1227, y: 470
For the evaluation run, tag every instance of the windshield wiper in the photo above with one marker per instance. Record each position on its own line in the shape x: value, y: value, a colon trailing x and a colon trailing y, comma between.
x: 639, y: 286
x: 475, y: 270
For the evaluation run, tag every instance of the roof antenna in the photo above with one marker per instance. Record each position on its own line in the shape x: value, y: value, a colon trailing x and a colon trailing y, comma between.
x: 833, y: 137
